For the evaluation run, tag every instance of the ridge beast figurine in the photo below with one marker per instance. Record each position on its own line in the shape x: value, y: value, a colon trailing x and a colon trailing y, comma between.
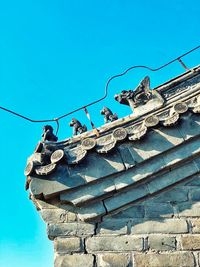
x: 77, y: 127
x: 139, y: 96
x: 48, y: 134
x: 108, y: 115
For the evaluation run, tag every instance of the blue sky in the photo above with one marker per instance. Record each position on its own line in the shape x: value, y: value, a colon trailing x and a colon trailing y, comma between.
x: 56, y: 56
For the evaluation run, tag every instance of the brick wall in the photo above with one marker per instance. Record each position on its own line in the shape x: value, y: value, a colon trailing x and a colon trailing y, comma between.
x: 130, y: 200
x: 159, y: 231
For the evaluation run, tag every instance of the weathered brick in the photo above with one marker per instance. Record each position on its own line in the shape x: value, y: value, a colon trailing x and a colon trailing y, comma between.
x: 71, y: 212
x: 195, y: 225
x: 114, y: 243
x: 190, y: 242
x: 189, y: 126
x: 68, y: 245
x: 94, y: 167
x: 167, y: 226
x: 51, y: 187
x: 113, y: 226
x: 159, y: 210
x: 113, y: 260
x: 174, y: 176
x: 188, y: 209
x: 89, y: 192
x: 76, y: 260
x: 135, y: 211
x: 139, y: 172
x: 69, y: 229
x: 198, y: 258
x: 71, y: 217
x: 176, y: 259
x: 125, y: 198
x: 181, y: 152
x: 54, y: 215
x: 194, y: 194
x: 194, y: 180
x: 52, y: 204
x: 91, y: 211
x: 174, y: 195
x: 147, y: 148
x: 155, y: 164
x: 160, y: 242
x: 197, y: 162
x: 126, y: 155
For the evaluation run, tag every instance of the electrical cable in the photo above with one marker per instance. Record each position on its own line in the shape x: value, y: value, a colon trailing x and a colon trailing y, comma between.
x: 105, y: 94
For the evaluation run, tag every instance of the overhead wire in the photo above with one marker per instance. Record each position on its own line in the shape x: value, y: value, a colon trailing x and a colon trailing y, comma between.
x: 105, y: 91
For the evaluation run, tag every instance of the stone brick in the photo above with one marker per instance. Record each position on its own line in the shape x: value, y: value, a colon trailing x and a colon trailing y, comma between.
x: 188, y: 209
x: 113, y: 226
x: 46, y: 205
x: 68, y: 245
x: 197, y: 162
x: 190, y: 126
x: 89, y: 192
x: 126, y: 155
x: 194, y: 194
x: 113, y: 260
x: 76, y: 260
x: 114, y: 243
x: 69, y: 229
x: 139, y: 172
x: 135, y: 211
x: 71, y: 217
x: 178, y: 259
x: 148, y: 147
x: 71, y: 212
x: 94, y: 167
x: 194, y: 180
x: 125, y: 198
x: 154, y: 165
x: 159, y: 210
x: 167, y: 226
x: 51, y: 187
x: 91, y: 211
x: 174, y: 176
x: 174, y: 195
x: 54, y: 215
x: 182, y: 152
x: 195, y: 225
x: 190, y: 242
x: 161, y: 242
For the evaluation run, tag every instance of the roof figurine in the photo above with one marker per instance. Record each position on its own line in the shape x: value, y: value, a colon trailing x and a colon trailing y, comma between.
x: 77, y: 127
x: 108, y: 115
x: 48, y: 134
x: 139, y: 96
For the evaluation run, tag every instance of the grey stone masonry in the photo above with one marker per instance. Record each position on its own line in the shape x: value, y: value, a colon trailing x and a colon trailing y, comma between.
x: 76, y: 260
x: 116, y: 243
x: 129, y: 197
x: 180, y: 259
x: 114, y: 260
x: 70, y: 229
x: 68, y: 245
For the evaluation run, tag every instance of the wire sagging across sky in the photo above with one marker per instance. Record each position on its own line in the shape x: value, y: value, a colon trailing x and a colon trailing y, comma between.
x: 105, y: 93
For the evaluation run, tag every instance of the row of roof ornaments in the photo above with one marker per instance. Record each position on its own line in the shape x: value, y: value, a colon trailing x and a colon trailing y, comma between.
x: 131, y: 98
x: 47, y: 156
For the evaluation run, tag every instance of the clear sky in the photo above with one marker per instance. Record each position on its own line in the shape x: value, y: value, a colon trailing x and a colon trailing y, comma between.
x: 56, y: 56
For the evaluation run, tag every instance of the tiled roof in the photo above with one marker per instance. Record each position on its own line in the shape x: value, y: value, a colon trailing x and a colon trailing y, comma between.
x: 134, y: 157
